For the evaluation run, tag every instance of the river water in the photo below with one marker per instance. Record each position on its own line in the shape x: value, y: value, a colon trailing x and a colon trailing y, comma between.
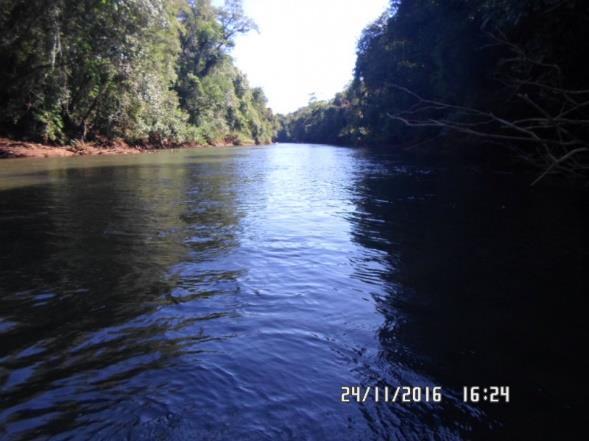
x: 223, y: 294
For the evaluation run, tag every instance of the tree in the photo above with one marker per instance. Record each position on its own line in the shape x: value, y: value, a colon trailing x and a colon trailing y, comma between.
x: 434, y: 68
x: 212, y: 91
x: 153, y: 71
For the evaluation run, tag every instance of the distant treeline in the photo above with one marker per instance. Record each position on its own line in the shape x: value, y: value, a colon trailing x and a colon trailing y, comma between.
x: 511, y: 72
x: 146, y: 71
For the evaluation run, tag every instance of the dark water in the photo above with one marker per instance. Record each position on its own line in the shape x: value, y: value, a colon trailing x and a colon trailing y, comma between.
x: 229, y: 294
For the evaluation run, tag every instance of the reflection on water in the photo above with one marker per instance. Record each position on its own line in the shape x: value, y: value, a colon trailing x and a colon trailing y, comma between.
x: 229, y: 294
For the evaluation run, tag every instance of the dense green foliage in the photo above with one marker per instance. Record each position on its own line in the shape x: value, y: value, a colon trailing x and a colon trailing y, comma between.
x: 476, y: 54
x: 153, y: 71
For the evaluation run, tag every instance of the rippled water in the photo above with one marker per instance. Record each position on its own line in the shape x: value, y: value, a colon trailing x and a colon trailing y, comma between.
x: 223, y: 294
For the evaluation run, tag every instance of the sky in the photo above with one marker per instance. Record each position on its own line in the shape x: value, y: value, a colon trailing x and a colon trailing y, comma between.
x: 304, y: 47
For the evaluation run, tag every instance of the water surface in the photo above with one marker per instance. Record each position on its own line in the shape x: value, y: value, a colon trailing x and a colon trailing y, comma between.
x: 222, y: 294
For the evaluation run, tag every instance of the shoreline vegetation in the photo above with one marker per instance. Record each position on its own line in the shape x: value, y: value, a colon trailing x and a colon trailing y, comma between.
x: 489, y: 78
x: 125, y: 76
x: 470, y: 81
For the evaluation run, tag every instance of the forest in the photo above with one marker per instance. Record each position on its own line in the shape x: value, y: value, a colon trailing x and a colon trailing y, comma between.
x: 403, y: 259
x: 477, y: 78
x: 154, y: 72
x: 483, y: 79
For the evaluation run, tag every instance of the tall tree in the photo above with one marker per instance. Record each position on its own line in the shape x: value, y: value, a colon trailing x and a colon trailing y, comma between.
x: 153, y: 71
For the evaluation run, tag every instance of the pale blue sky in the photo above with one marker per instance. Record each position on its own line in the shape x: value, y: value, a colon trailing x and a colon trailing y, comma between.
x: 303, y: 47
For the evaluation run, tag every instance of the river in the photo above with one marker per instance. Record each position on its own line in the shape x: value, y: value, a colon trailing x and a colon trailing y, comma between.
x: 223, y: 294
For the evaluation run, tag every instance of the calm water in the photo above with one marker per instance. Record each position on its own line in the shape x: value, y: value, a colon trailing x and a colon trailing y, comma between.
x: 228, y: 294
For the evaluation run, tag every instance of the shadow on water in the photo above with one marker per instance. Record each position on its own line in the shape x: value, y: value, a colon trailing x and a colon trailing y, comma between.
x: 485, y: 287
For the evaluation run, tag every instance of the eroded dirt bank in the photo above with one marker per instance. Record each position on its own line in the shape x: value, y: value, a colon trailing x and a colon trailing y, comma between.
x: 10, y: 148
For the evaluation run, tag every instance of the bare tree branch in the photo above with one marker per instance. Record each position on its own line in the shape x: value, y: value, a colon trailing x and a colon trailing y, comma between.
x: 558, y: 124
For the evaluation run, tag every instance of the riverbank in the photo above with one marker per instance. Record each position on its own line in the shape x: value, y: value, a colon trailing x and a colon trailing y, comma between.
x: 10, y: 148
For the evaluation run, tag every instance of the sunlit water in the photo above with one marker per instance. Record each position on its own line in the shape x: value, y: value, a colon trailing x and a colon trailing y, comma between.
x: 224, y: 294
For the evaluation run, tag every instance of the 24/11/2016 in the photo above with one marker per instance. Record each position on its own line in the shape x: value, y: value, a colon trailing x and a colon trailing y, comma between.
x: 391, y: 394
